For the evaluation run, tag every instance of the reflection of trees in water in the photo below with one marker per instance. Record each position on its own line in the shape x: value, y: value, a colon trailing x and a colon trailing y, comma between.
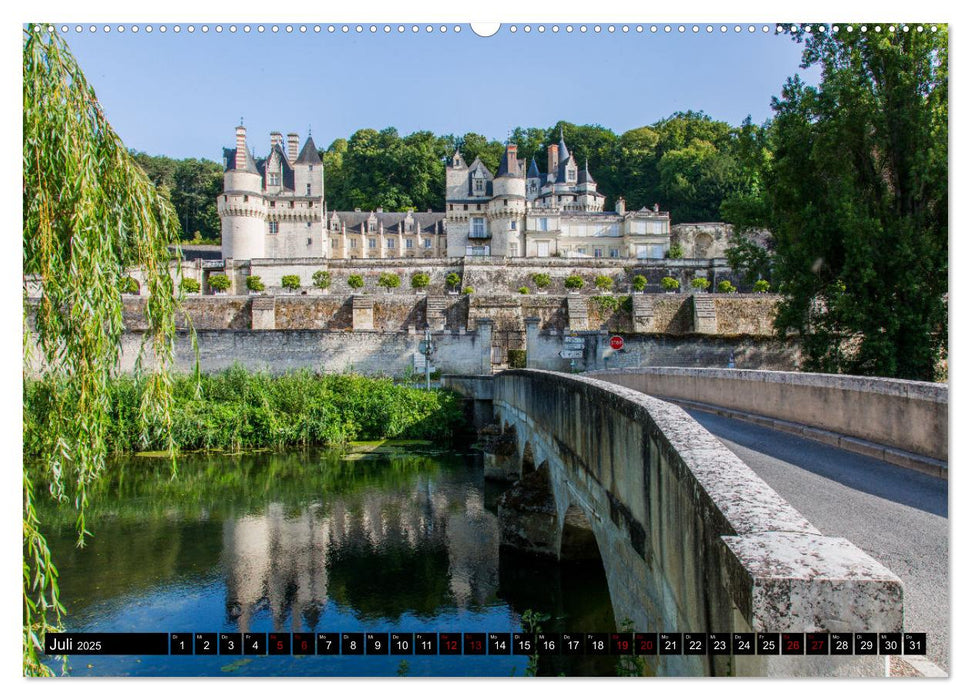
x: 378, y: 552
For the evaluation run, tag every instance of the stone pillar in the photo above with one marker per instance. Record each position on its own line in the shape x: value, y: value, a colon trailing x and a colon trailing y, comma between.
x: 362, y: 309
x: 263, y: 313
x: 705, y: 319
x: 643, y: 313
x: 483, y: 338
x: 532, y: 342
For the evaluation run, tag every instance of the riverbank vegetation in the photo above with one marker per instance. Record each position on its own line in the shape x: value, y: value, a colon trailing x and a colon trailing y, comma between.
x: 237, y: 409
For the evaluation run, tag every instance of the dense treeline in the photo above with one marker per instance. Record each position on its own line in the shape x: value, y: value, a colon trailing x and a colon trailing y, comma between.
x: 237, y: 409
x: 192, y: 186
x: 688, y: 163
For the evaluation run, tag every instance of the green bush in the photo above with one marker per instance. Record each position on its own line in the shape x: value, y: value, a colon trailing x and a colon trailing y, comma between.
x: 639, y: 282
x: 237, y: 409
x: 675, y: 252
x: 389, y: 280
x: 700, y: 283
x: 219, y: 282
x: 189, y: 285
x: 726, y: 287
x: 453, y: 279
x: 321, y: 279
x: 255, y: 284
x: 516, y: 359
x: 573, y: 282
x: 670, y: 284
x: 355, y: 281
x: 608, y: 302
x: 468, y: 290
x: 128, y: 285
x: 603, y: 282
x: 291, y: 282
x: 541, y: 280
x: 524, y: 290
x: 420, y: 280
x: 762, y: 286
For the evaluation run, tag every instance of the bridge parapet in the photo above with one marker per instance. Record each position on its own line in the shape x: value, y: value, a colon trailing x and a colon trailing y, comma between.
x: 691, y: 539
x: 902, y: 422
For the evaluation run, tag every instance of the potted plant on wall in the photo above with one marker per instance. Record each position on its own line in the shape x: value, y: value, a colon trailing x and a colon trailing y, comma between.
x: 762, y: 286
x: 453, y: 280
x: 604, y: 283
x: 639, y: 283
x: 670, y: 285
x: 700, y: 284
x: 468, y: 290
x: 254, y: 284
x: 290, y: 282
x: 726, y: 287
x: 321, y: 280
x: 542, y: 281
x: 189, y: 285
x: 420, y: 281
x: 219, y: 283
x: 355, y: 282
x: 390, y: 281
x: 573, y: 284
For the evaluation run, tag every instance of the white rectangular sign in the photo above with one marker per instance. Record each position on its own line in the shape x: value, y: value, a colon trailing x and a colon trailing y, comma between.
x: 571, y: 354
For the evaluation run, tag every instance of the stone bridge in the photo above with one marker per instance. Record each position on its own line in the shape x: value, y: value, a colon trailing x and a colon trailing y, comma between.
x: 691, y: 540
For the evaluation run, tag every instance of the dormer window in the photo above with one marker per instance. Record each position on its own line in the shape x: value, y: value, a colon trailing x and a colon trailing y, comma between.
x: 372, y: 226
x: 478, y: 185
x: 274, y: 179
x: 571, y: 174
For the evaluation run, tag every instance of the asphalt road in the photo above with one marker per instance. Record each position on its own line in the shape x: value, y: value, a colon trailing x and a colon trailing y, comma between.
x: 898, y: 516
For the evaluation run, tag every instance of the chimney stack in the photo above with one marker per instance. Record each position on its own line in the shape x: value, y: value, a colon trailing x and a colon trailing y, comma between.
x: 240, y: 148
x: 276, y: 139
x: 293, y: 143
x: 552, y: 159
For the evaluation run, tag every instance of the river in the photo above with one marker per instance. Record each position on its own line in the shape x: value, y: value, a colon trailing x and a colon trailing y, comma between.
x: 377, y: 538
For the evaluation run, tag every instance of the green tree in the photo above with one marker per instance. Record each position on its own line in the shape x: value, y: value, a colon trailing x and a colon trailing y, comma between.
x: 89, y: 214
x: 858, y: 203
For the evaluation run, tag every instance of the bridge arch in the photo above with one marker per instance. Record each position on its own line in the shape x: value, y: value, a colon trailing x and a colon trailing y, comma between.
x: 690, y: 538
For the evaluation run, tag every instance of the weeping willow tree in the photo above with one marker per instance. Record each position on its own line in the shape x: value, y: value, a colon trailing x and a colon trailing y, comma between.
x: 90, y: 214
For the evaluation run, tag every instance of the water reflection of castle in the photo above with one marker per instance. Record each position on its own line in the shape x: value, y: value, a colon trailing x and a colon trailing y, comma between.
x: 381, y: 554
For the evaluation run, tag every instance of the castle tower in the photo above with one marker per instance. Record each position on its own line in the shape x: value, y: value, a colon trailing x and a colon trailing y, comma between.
x: 308, y: 170
x: 507, y: 208
x: 533, y: 181
x: 241, y: 207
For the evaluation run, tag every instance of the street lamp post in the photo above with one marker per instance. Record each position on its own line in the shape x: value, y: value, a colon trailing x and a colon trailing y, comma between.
x: 426, y: 348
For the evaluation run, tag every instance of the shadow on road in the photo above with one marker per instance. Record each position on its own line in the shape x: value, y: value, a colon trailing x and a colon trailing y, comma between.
x: 872, y: 476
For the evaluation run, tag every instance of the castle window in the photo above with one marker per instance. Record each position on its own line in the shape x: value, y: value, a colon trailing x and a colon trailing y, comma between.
x: 409, y: 243
x: 292, y: 204
x: 309, y: 241
x: 478, y: 228
x: 513, y: 250
x: 372, y: 243
x: 272, y: 204
x: 372, y: 226
x: 614, y: 253
x: 598, y: 252
x: 274, y: 227
x: 505, y: 202
x: 465, y: 207
x: 478, y: 184
x: 512, y: 225
x: 308, y: 224
x: 308, y: 189
x: 571, y: 174
x: 390, y: 243
x: 274, y: 179
x: 311, y: 168
x: 428, y: 242
x: 245, y: 197
x: 353, y: 243
x: 451, y: 207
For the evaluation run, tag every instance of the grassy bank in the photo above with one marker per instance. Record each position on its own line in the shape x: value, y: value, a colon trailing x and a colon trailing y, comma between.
x: 238, y: 409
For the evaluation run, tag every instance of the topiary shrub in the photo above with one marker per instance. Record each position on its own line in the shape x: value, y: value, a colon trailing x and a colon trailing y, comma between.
x: 355, y: 281
x: 639, y: 282
x: 420, y: 280
x: 762, y: 286
x: 321, y: 279
x: 255, y: 284
x: 128, y: 285
x: 189, y: 285
x: 516, y: 359
x: 468, y: 290
x: 541, y: 280
x: 726, y: 287
x: 389, y: 280
x: 675, y: 252
x: 452, y: 279
x: 524, y: 290
x: 669, y: 284
x: 291, y: 282
x: 603, y: 282
x: 573, y: 282
x: 219, y: 282
x: 700, y: 283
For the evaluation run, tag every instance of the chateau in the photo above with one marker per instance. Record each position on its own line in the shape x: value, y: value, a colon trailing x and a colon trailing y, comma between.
x: 275, y: 208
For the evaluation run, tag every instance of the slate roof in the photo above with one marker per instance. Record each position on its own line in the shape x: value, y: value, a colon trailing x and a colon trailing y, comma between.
x: 229, y: 160
x: 533, y: 169
x: 425, y: 222
x: 308, y: 154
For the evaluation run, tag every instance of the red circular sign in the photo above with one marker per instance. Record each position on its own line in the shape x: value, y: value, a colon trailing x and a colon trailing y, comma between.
x: 616, y: 342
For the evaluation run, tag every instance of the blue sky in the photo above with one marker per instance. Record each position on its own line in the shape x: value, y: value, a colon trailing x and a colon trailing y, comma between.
x: 177, y: 95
